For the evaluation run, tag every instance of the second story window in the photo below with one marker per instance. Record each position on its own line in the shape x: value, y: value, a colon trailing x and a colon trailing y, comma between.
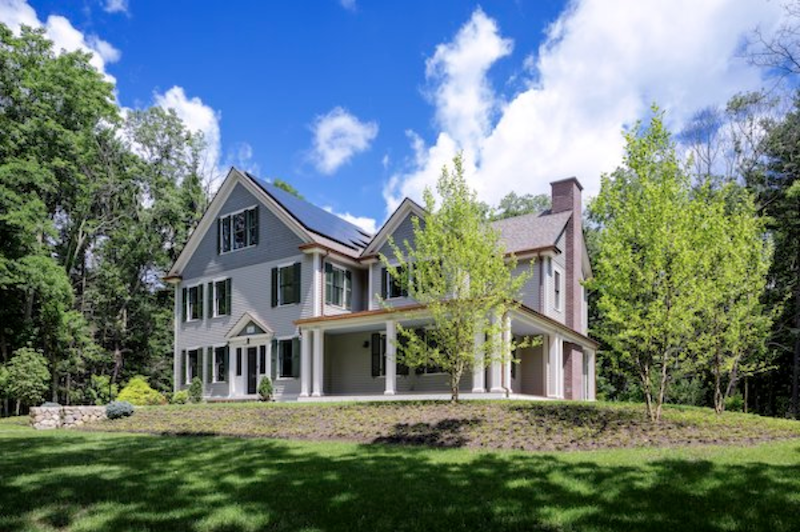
x: 286, y: 284
x: 557, y: 289
x: 238, y: 230
x: 193, y: 303
x: 338, y: 286
x: 392, y: 287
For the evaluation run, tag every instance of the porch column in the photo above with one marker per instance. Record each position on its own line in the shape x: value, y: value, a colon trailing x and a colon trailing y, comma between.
x: 305, y: 363
x: 555, y: 380
x: 507, y: 352
x: 231, y: 371
x: 391, y: 358
x: 590, y: 362
x: 496, y: 367
x: 268, y: 369
x: 319, y: 346
x: 479, y: 369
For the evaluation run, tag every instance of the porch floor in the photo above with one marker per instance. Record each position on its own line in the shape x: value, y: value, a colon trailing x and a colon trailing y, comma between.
x: 420, y: 396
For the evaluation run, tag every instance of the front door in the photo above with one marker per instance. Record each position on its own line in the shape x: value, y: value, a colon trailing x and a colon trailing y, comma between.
x: 251, y: 370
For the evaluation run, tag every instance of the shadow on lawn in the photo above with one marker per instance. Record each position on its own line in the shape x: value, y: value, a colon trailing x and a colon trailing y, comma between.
x: 447, y: 433
x: 173, y: 483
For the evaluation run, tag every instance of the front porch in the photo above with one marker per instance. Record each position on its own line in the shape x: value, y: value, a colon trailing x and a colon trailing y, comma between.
x: 420, y: 396
x: 353, y: 357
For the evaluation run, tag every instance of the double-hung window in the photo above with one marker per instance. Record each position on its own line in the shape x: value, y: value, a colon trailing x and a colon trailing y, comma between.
x: 286, y: 358
x: 220, y: 358
x: 238, y: 230
x: 338, y: 286
x: 394, y: 287
x: 557, y: 289
x: 193, y: 367
x: 221, y: 300
x: 286, y: 284
x: 193, y: 303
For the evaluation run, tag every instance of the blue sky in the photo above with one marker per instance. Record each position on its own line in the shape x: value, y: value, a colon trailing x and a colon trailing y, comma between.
x: 359, y: 103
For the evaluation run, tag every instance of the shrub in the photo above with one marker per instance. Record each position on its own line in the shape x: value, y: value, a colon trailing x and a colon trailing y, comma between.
x: 138, y: 392
x: 100, y: 390
x: 265, y: 389
x: 734, y: 403
x: 28, y: 377
x: 196, y: 390
x: 181, y: 397
x: 118, y: 409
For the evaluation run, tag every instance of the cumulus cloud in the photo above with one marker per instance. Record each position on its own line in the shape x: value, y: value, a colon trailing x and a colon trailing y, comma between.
x: 14, y: 13
x: 198, y: 116
x: 602, y: 64
x: 367, y: 224
x: 349, y: 5
x: 338, y: 136
x: 115, y: 6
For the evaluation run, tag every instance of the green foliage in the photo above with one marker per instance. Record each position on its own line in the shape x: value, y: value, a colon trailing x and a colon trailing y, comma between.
x: 513, y: 205
x: 119, y: 409
x: 283, y: 185
x: 181, y: 397
x: 456, y: 268
x: 139, y: 392
x: 196, y: 390
x: 27, y: 377
x: 265, y: 389
x: 734, y: 403
x: 688, y: 391
x: 101, y: 390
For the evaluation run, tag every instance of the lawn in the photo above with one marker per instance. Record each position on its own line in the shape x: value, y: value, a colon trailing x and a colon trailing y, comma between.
x: 514, y: 425
x: 83, y: 481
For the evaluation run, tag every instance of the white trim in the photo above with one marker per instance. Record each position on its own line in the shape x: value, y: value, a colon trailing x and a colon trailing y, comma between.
x: 214, y: 297
x: 231, y: 214
x: 188, y: 287
x: 558, y: 288
x: 233, y: 178
x: 347, y: 285
x: 280, y: 267
x: 317, y: 264
x: 233, y: 334
x: 214, y: 375
x: 390, y: 226
x: 186, y: 380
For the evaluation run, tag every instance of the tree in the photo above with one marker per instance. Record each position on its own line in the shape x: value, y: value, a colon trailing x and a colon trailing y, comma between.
x: 645, y: 273
x: 457, y: 269
x: 779, y: 51
x: 27, y: 377
x: 513, y: 205
x: 734, y: 323
x: 283, y: 185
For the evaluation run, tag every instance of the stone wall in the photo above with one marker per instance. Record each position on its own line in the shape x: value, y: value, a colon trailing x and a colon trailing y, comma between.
x: 56, y: 417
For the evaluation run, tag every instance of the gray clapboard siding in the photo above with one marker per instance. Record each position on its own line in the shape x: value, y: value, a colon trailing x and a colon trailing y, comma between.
x: 276, y: 241
x: 359, y: 289
x: 530, y: 290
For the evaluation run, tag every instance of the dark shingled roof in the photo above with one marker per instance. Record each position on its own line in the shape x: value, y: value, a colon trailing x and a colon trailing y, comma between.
x: 531, y: 231
x: 315, y: 219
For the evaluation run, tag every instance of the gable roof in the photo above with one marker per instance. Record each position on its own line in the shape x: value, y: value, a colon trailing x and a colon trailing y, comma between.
x: 531, y: 231
x: 316, y: 220
x: 406, y: 207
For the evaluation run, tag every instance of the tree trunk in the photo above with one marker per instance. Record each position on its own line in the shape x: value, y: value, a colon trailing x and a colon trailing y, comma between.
x: 719, y: 404
x: 796, y: 364
x: 18, y: 403
x: 644, y: 376
x: 662, y: 388
x: 455, y: 378
x: 745, y: 394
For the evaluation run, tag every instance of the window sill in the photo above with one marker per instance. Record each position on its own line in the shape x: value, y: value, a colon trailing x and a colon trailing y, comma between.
x: 286, y: 379
x: 220, y: 253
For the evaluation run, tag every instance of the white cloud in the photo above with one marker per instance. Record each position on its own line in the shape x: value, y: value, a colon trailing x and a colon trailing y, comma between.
x: 349, y: 5
x: 367, y: 224
x: 197, y: 116
x: 116, y: 6
x: 338, y: 136
x: 601, y: 66
x: 14, y: 13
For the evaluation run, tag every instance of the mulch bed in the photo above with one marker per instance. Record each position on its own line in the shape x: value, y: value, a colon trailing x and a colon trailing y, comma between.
x: 531, y: 426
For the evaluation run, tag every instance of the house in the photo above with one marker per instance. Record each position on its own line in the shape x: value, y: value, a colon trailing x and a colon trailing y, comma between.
x: 269, y: 284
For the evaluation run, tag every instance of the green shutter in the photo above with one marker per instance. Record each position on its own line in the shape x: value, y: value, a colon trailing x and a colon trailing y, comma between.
x: 209, y: 365
x: 181, y: 376
x: 296, y: 283
x: 226, y: 363
x: 296, y: 358
x: 219, y: 236
x: 328, y: 283
x: 384, y: 287
x: 255, y: 222
x: 274, y: 359
x: 183, y: 304
x: 375, y: 344
x: 200, y: 300
x: 275, y: 287
x: 229, y: 296
x: 210, y: 300
x: 348, y: 289
x: 238, y: 361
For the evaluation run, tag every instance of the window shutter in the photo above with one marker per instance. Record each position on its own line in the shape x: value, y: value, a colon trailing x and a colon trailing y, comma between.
x: 348, y: 289
x: 209, y: 364
x: 180, y: 379
x: 238, y: 361
x: 328, y: 283
x: 274, y: 287
x: 219, y: 236
x: 296, y: 283
x: 296, y: 357
x: 274, y: 357
x: 376, y: 354
x: 226, y: 364
x: 210, y: 300
x: 255, y: 228
x: 200, y: 300
x: 229, y: 296
x: 384, y: 293
x: 184, y: 295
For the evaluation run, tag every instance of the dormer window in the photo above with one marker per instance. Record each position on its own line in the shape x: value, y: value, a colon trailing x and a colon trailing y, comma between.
x: 237, y: 230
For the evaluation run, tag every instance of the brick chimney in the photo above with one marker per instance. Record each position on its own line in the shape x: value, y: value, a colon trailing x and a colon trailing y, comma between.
x: 566, y: 196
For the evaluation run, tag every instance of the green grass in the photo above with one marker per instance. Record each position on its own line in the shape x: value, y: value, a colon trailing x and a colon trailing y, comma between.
x: 81, y: 481
x: 507, y: 425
